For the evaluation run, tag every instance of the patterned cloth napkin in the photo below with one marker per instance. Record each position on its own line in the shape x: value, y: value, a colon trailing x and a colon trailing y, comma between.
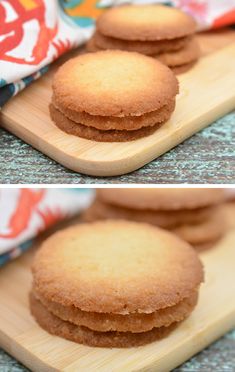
x: 33, y: 33
x: 25, y: 213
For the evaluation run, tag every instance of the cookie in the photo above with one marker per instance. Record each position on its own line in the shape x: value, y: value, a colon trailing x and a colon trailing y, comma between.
x: 90, y: 133
x: 100, y: 41
x: 133, y: 302
x: 137, y: 323
x: 209, y: 230
x: 145, y: 22
x: 162, y: 198
x: 166, y: 219
x: 205, y: 246
x: 185, y: 55
x: 114, y: 83
x: 182, y: 68
x: 91, y: 46
x: 84, y: 335
x: 119, y: 123
x: 179, y: 61
x: 136, y: 268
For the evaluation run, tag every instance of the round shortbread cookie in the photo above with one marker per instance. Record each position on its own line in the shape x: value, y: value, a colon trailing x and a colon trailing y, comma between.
x: 165, y: 219
x: 162, y: 198
x: 84, y: 335
x: 146, y: 47
x: 209, y: 230
x: 180, y: 57
x: 90, y: 133
x: 114, y: 83
x: 135, y: 267
x: 105, y: 322
x: 119, y: 123
x: 145, y: 22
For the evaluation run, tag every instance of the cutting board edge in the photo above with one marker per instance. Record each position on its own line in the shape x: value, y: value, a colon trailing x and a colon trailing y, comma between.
x: 118, y: 167
x: 174, y: 363
x: 23, y: 355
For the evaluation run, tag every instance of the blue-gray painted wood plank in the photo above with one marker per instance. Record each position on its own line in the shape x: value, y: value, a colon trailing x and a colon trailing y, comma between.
x: 207, y: 157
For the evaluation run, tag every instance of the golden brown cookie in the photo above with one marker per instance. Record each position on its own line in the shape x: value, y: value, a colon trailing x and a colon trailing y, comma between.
x: 100, y: 41
x: 105, y: 322
x: 136, y: 268
x: 209, y: 230
x: 114, y: 83
x: 166, y: 219
x: 145, y: 22
x: 162, y: 198
x: 187, y: 54
x: 84, y: 335
x: 119, y: 123
x: 90, y: 133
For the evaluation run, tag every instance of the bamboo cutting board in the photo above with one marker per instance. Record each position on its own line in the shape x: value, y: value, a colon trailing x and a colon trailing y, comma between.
x: 38, y: 350
x: 207, y: 92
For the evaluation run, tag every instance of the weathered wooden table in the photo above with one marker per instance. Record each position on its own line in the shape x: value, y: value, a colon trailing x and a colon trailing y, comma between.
x: 207, y: 157
x: 219, y: 357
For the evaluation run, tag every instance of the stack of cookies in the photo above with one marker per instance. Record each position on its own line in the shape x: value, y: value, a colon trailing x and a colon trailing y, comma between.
x: 160, y: 31
x: 192, y: 214
x: 114, y: 283
x: 112, y: 96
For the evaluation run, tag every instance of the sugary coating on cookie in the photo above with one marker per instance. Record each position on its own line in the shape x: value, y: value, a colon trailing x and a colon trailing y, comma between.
x: 116, y: 266
x: 162, y: 198
x: 114, y: 83
x: 145, y: 22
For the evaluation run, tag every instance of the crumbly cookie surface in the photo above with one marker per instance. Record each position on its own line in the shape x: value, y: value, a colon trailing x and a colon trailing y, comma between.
x: 135, y: 268
x: 114, y: 83
x: 129, y: 122
x: 84, y: 335
x: 105, y: 322
x: 91, y: 133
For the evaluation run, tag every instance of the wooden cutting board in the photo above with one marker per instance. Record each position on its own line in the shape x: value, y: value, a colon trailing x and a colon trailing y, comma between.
x: 207, y: 92
x: 38, y: 350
